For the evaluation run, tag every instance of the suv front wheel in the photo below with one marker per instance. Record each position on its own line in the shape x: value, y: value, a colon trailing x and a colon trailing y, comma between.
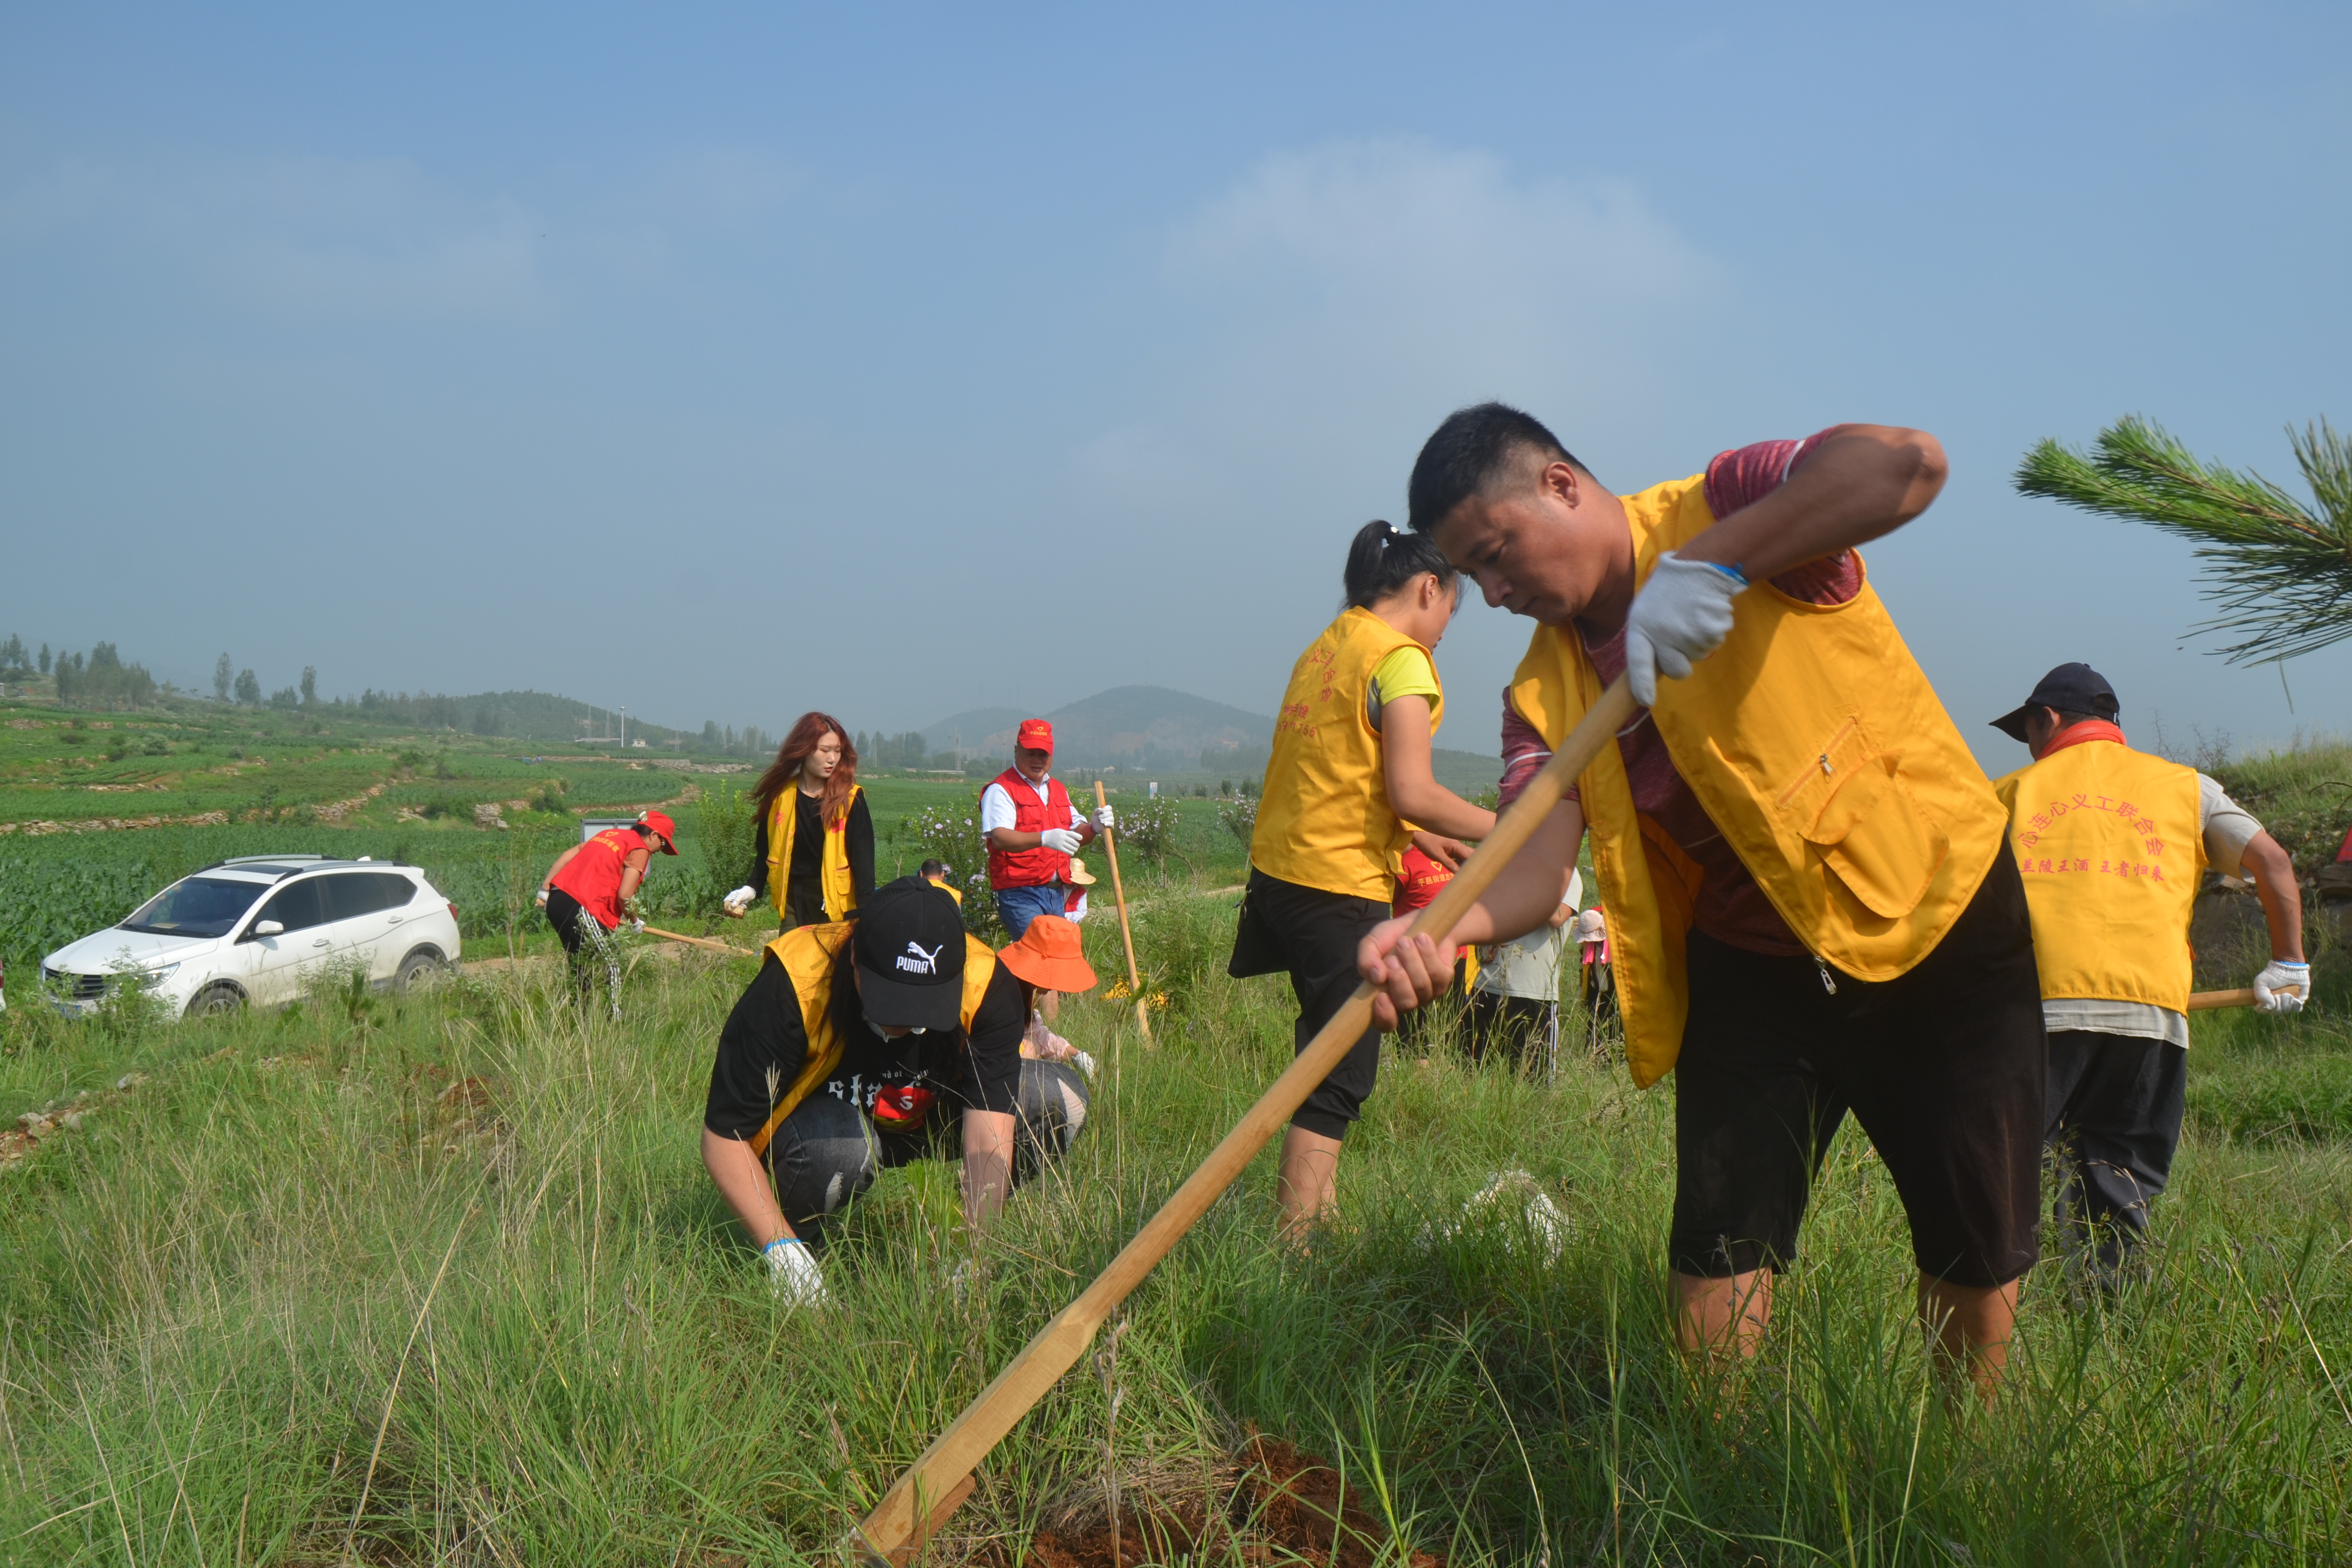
x: 215, y: 999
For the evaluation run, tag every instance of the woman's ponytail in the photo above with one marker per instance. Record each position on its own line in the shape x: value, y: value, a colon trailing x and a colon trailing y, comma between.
x: 1382, y: 559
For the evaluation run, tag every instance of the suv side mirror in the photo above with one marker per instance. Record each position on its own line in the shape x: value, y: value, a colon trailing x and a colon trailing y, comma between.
x: 268, y: 928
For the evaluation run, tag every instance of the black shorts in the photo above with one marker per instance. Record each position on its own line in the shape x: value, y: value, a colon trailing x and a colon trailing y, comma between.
x: 1312, y: 935
x: 1943, y: 1067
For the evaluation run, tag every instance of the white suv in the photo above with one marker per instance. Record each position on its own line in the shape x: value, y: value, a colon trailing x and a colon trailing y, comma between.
x: 253, y: 929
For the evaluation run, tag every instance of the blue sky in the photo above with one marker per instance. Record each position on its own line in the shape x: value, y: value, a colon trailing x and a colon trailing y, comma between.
x: 725, y: 362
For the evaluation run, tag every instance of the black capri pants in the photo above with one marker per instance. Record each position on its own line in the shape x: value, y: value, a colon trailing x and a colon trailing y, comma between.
x: 1312, y: 935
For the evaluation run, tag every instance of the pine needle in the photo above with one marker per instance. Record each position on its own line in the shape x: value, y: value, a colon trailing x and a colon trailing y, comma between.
x: 2280, y: 574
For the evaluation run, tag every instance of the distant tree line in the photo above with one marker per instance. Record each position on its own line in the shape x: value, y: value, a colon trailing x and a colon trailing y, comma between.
x: 726, y: 740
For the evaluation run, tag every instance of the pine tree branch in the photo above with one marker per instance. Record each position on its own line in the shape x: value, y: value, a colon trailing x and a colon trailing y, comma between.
x: 2280, y: 574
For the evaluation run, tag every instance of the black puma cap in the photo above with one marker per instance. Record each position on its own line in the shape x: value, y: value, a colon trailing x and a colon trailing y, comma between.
x: 910, y: 947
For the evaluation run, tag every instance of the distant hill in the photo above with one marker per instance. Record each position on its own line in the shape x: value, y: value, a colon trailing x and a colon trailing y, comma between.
x: 1155, y: 727
x: 1130, y: 726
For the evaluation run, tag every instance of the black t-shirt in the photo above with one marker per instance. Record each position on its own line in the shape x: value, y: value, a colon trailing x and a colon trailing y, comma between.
x: 802, y: 877
x: 764, y: 1035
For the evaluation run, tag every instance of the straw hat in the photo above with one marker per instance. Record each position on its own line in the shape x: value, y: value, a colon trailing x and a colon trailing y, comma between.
x: 1080, y: 876
x: 1050, y: 956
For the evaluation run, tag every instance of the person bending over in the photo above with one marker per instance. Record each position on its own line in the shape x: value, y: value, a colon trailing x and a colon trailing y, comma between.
x: 869, y: 1044
x: 590, y: 890
x: 1348, y: 786
x: 1812, y: 908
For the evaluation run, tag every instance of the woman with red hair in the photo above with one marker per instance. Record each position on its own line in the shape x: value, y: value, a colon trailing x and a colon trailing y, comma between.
x: 814, y: 848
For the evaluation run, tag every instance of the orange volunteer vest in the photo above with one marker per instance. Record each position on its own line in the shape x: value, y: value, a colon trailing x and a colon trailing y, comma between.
x: 1323, y: 817
x: 810, y: 955
x: 1814, y: 740
x: 2113, y: 849
x: 840, y: 891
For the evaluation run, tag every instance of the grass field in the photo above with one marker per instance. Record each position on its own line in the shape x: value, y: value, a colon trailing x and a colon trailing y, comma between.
x: 441, y: 1280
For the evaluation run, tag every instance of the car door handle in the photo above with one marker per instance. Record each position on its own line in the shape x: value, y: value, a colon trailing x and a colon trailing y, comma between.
x: 395, y: 920
x: 319, y: 942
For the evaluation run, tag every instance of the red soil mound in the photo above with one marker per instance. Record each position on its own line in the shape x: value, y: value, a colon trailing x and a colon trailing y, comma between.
x: 1283, y: 1505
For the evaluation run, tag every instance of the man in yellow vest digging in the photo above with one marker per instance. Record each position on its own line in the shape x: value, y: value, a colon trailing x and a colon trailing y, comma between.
x: 1812, y: 908
x: 849, y: 1051
x: 2113, y: 842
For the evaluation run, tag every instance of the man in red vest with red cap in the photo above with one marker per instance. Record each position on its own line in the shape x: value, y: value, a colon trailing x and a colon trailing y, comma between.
x: 1032, y: 832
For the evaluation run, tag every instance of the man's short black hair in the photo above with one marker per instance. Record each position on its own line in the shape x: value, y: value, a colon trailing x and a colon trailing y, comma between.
x: 1469, y: 454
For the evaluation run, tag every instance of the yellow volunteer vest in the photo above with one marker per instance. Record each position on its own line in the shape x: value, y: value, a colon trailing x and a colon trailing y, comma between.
x: 810, y: 955
x: 2113, y: 848
x: 1814, y: 742
x: 832, y: 871
x: 1323, y: 816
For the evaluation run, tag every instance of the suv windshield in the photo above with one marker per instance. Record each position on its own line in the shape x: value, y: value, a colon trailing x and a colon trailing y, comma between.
x: 201, y: 906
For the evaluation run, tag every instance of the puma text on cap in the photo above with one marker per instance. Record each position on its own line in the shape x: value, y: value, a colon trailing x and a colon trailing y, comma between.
x: 909, y: 948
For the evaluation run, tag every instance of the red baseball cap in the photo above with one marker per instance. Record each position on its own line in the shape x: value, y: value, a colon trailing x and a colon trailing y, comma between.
x: 660, y: 823
x: 1036, y: 734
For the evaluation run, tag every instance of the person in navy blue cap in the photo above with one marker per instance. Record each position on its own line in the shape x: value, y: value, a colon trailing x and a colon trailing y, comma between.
x: 2114, y: 845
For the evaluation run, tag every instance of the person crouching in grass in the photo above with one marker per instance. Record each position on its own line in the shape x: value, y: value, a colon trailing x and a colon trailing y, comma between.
x: 1347, y: 780
x: 867, y: 1044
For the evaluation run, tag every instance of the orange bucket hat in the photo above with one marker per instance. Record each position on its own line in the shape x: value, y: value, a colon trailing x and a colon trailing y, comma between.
x: 1050, y: 956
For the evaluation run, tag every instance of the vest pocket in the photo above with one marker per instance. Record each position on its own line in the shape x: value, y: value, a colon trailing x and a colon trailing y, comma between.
x: 1876, y: 841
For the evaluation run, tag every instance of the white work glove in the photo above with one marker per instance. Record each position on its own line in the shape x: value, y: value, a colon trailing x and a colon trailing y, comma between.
x: 2283, y: 988
x: 793, y: 1272
x: 1682, y: 614
x: 1062, y: 840
x: 1102, y: 819
x: 542, y: 898
x: 638, y: 925
x: 740, y: 899
x: 1083, y: 1062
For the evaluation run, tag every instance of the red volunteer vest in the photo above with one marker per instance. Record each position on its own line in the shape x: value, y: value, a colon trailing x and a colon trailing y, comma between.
x: 594, y: 875
x: 1031, y: 867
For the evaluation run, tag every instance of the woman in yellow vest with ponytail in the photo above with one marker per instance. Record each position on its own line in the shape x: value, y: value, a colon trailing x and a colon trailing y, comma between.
x: 1347, y: 788
x: 815, y: 851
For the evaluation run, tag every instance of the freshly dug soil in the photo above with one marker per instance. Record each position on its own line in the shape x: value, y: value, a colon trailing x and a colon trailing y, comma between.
x: 1279, y: 1505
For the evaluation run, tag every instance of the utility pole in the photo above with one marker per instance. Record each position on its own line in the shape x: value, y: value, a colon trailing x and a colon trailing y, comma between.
x: 625, y: 729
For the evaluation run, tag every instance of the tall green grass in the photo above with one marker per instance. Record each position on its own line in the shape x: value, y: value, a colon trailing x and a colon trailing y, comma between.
x: 441, y: 1280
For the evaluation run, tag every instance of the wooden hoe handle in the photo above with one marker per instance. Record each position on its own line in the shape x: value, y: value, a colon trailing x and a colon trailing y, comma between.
x: 2206, y: 1001
x: 918, y: 1503
x: 1119, y: 894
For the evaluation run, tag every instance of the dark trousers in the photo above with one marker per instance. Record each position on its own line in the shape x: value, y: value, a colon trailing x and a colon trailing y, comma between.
x: 585, y: 948
x: 2115, y: 1103
x: 1523, y: 1029
x: 827, y: 1151
x: 1312, y: 935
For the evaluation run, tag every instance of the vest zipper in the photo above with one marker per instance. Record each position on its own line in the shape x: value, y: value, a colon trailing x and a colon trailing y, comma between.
x: 1822, y: 763
x: 1828, y: 984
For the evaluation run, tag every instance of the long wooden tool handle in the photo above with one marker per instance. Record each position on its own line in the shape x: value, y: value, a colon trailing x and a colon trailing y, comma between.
x: 695, y: 940
x: 2206, y: 1001
x: 949, y: 1459
x: 1119, y: 895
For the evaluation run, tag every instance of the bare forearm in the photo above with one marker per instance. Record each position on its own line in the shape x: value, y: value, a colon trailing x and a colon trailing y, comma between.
x: 987, y: 1164
x: 555, y: 870
x: 1527, y: 895
x: 735, y: 1171
x: 2282, y: 898
x: 1433, y: 806
x: 1863, y: 482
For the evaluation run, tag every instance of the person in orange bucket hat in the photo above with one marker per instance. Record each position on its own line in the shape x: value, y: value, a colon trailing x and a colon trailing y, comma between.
x: 1050, y: 958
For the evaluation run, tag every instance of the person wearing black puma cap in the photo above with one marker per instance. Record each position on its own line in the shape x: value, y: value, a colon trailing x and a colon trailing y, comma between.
x: 854, y: 1049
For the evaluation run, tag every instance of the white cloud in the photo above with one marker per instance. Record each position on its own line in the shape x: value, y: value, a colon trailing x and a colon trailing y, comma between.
x: 1424, y: 263
x: 306, y: 237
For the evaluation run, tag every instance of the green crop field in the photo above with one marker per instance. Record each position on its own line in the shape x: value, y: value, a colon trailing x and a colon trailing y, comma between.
x: 441, y: 1280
